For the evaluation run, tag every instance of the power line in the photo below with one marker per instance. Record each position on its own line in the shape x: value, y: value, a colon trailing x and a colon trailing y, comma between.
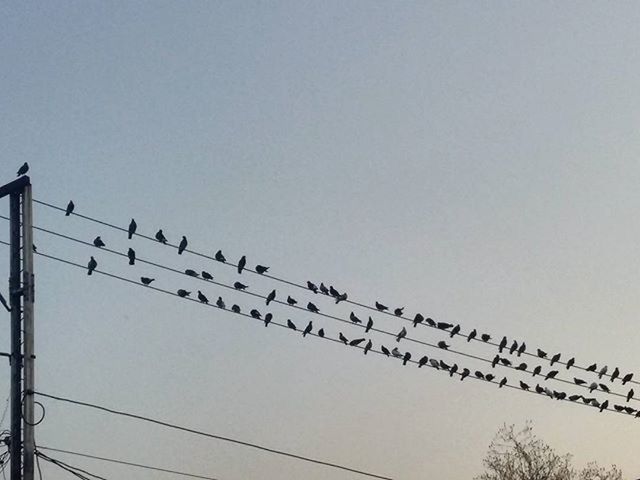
x: 75, y: 471
x: 322, y: 314
x: 303, y: 287
x: 313, y: 334
x: 209, y: 435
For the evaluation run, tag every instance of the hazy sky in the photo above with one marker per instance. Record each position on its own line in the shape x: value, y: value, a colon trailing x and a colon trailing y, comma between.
x: 474, y: 161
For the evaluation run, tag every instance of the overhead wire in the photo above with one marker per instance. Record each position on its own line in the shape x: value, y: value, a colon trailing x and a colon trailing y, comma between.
x: 303, y: 287
x: 76, y: 471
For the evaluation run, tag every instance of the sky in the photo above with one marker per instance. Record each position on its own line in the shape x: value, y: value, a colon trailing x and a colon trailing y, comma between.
x: 473, y: 161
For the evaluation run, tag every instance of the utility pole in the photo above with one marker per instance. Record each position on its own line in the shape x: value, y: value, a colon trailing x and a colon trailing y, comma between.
x: 21, y: 302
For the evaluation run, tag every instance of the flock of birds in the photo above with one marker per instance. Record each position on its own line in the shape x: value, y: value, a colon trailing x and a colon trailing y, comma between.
x: 367, y: 345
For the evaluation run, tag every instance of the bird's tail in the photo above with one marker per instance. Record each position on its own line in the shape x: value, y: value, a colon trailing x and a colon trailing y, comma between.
x: 132, y: 262
x: 89, y: 272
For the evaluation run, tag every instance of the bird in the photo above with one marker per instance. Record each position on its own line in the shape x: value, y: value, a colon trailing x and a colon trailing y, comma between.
x: 479, y: 374
x: 191, y: 273
x: 307, y: 329
x: 183, y: 293
x: 356, y: 342
x: 434, y: 363
x: 593, y: 386
x: 602, y: 372
x: 4, y: 303
x: 574, y: 398
x: 423, y: 361
x: 453, y: 369
x: 385, y: 350
x: 444, y: 325
x: 503, y: 382
x: 406, y: 358
x: 522, y: 366
x: 472, y: 334
x: 341, y: 298
x: 368, y: 346
x: 513, y: 348
x: 255, y: 314
x: 522, y: 348
x: 235, y: 308
x: 291, y: 325
x: 570, y: 363
x: 551, y: 374
x: 312, y: 287
x: 271, y: 297
x: 444, y: 365
x: 417, y: 319
x: 524, y: 386
x: 398, y: 311
x: 505, y: 361
x: 443, y: 345
x: 369, y: 325
x: 206, y: 275
x: 579, y: 381
x: 495, y: 361
x: 381, y: 307
x: 401, y: 334
x: 542, y: 354
x: 603, y: 387
x: 324, y: 289
x: 291, y: 301
x: 146, y: 280
x: 353, y: 318
x: 430, y: 321
x: 396, y: 352
x: 539, y: 389
x: 312, y: 308
x: 454, y: 331
x: 23, y: 169
x: 97, y: 242
x: 592, y: 368
x: 240, y: 286
x: 220, y: 303
x: 70, y: 207
x: 131, y: 253
x: 489, y: 377
x: 202, y: 297
x: 630, y: 395
x: 485, y: 337
x: 627, y: 378
x: 132, y: 228
x: 261, y: 269
x: 503, y: 343
x: 321, y: 333
x: 333, y: 292
x: 241, y: 263
x: 91, y: 266
x: 342, y: 338
x: 465, y: 373
x: 267, y: 318
x: 183, y: 245
x: 537, y: 370
x: 554, y: 359
x: 615, y: 374
x: 160, y: 237
x: 604, y: 405
x: 220, y: 257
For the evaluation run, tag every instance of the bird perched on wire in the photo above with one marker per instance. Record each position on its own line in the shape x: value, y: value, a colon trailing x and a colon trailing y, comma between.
x: 423, y: 361
x: 324, y: 289
x: 240, y: 286
x: 354, y: 318
x: 406, y: 358
x: 369, y: 325
x: 191, y: 273
x: 443, y: 345
x: 183, y: 245
x: 235, y: 308
x: 312, y: 308
x: 401, y: 334
x: 146, y: 280
x: 368, y: 346
x: 419, y: 318
x: 97, y: 242
x: 241, y: 264
x: 70, y: 207
x: 291, y: 301
x: 267, y: 318
x: 271, y: 297
x: 385, y: 350
x: 398, y: 311
x: 206, y: 275
x: 91, y: 266
x: 220, y: 303
x: 160, y: 237
x: 202, y: 297
x: 356, y: 342
x: 342, y: 338
x: 307, y: 329
x: 132, y: 256
x: 261, y: 269
x: 23, y: 169
x: 341, y: 297
x: 255, y: 314
x: 472, y: 334
x: 220, y: 257
x: 133, y: 226
x: 291, y: 325
x: 312, y: 286
x: 183, y: 293
x: 381, y: 307
x: 454, y: 331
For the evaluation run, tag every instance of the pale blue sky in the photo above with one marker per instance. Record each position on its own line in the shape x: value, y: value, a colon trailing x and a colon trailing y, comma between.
x: 476, y: 161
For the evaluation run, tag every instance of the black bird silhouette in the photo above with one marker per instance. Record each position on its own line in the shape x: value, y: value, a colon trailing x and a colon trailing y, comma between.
x: 23, y: 169
x: 593, y: 386
x: 551, y: 374
x: 356, y: 342
x: 267, y: 318
x: 417, y: 319
x: 537, y: 370
x: 235, y: 308
x: 615, y: 374
x: 261, y: 269
x: 191, y: 273
x: 291, y: 325
x: 207, y: 275
x: 4, y: 303
x: 554, y: 359
x: 398, y: 311
x: 503, y: 343
x: 430, y: 321
x: 240, y: 286
x: 454, y: 331
x: 465, y: 373
x: 342, y: 338
x: 539, y: 389
x: 444, y: 325
x: 396, y: 352
x: 132, y: 228
x: 220, y: 257
x: 321, y: 333
x: 570, y: 363
x: 241, y: 263
x: 291, y: 301
x: 307, y: 329
x: 505, y: 361
x: 368, y: 346
x: 443, y: 345
x: 542, y: 354
x: 573, y: 398
x: 333, y: 292
x: 70, y: 207
x: 312, y: 308
x: 603, y: 387
x: 381, y: 307
x: 522, y: 367
x: 324, y: 289
x: 353, y: 318
x: 522, y: 348
x: 220, y: 303
x: 472, y: 335
x: 271, y: 297
x: 98, y: 242
x: 183, y: 245
x: 160, y: 237
x: 513, y: 348
x: 385, y: 350
x: 406, y: 358
x: 341, y: 298
x: 423, y: 361
x: 255, y: 314
x: 453, y: 370
x: 523, y: 385
x: 146, y: 280
x: 592, y: 368
x: 202, y: 297
x: 183, y: 293
x: 132, y: 256
x: 485, y: 337
x: 579, y: 381
x: 495, y: 361
x: 503, y: 382
x: 444, y: 365
x: 604, y: 405
x: 369, y: 325
x: 91, y: 266
x: 630, y: 395
x: 602, y: 372
x: 401, y: 334
x: 489, y: 377
x: 479, y: 374
x: 627, y: 378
